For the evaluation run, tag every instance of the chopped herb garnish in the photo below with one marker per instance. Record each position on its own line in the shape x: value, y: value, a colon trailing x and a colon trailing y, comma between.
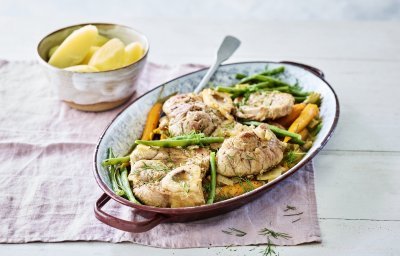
x: 289, y: 208
x: 235, y: 232
x: 276, y: 235
x: 296, y: 220
x: 269, y: 250
x: 293, y: 214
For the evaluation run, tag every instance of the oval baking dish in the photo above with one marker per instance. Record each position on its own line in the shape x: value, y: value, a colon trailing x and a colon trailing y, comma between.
x: 127, y: 126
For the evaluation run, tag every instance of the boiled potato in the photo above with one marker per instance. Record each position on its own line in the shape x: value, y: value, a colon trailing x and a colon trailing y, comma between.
x: 88, y: 56
x: 75, y: 47
x: 82, y: 68
x: 109, y: 56
x: 52, y: 50
x: 101, y: 40
x: 133, y: 52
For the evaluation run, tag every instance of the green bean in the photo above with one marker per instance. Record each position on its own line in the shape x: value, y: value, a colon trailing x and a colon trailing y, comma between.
x: 112, y: 175
x: 170, y: 143
x: 256, y: 77
x: 189, y: 136
x: 213, y: 168
x: 231, y: 90
x: 299, y: 99
x: 240, y: 76
x: 127, y: 187
x: 296, y: 138
x: 273, y: 72
x: 117, y: 160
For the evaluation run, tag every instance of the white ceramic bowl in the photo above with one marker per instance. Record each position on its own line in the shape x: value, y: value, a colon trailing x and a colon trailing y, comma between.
x: 96, y: 91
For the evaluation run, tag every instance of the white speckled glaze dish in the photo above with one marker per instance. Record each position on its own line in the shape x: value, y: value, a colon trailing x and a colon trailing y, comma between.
x: 95, y: 91
x: 128, y: 126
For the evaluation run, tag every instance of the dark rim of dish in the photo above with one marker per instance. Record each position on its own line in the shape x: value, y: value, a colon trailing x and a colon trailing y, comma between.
x: 221, y: 204
x: 94, y: 24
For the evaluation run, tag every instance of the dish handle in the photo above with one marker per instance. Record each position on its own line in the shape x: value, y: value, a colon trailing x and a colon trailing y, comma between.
x: 125, y: 225
x: 314, y: 70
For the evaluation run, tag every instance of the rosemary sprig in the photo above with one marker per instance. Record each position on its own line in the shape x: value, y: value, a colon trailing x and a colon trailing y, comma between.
x: 269, y: 249
x: 235, y: 232
x: 290, y: 208
x: 294, y: 214
x: 296, y: 220
x: 268, y: 232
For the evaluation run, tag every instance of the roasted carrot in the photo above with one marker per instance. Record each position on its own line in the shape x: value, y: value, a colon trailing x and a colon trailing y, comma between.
x: 286, y: 121
x: 152, y: 121
x: 237, y: 189
x: 309, y: 112
x: 153, y: 117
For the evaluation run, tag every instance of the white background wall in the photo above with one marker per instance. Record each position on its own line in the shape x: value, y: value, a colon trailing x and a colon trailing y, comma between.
x: 213, y: 9
x: 24, y: 23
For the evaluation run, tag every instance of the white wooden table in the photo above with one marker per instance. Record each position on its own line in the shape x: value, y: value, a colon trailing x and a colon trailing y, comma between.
x: 357, y: 174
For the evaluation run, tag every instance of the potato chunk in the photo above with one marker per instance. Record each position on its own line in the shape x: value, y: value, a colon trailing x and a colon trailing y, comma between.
x: 110, y: 56
x: 74, y: 48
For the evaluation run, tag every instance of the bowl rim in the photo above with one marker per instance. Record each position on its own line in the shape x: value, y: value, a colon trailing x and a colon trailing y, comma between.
x: 45, y: 63
x: 228, y: 202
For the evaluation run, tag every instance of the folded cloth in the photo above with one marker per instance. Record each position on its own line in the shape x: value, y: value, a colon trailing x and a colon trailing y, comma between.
x: 48, y: 190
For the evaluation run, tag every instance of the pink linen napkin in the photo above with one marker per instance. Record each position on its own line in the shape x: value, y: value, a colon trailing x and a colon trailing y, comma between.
x: 48, y: 190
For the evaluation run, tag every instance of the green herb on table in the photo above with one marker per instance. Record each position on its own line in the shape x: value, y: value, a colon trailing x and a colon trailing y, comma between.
x: 269, y: 249
x: 290, y: 208
x: 296, y: 220
x: 235, y: 232
x: 294, y: 214
x: 270, y: 233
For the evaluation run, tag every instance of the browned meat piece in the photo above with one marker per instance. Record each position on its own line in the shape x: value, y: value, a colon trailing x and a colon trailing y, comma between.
x: 249, y: 152
x: 173, y: 157
x: 183, y: 185
x: 265, y: 105
x: 156, y: 184
x: 147, y: 171
x: 191, y: 121
x: 152, y: 194
x: 187, y: 113
x: 179, y: 103
x: 145, y: 176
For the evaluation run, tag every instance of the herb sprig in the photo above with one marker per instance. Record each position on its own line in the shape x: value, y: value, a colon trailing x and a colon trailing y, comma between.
x: 235, y: 232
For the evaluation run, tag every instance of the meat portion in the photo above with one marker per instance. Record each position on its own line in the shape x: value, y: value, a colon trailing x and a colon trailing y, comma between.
x: 168, y: 177
x: 265, y: 105
x: 181, y: 103
x: 187, y: 113
x: 230, y: 128
x: 173, y: 157
x: 183, y: 185
x: 145, y: 176
x: 192, y: 121
x: 152, y: 194
x: 147, y: 171
x: 219, y: 101
x: 249, y: 152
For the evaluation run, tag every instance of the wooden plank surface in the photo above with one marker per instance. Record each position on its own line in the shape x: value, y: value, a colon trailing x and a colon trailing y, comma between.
x: 357, y: 176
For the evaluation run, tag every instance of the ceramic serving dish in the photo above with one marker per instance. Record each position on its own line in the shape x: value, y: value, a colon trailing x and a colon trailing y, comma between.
x: 128, y: 126
x: 96, y: 91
